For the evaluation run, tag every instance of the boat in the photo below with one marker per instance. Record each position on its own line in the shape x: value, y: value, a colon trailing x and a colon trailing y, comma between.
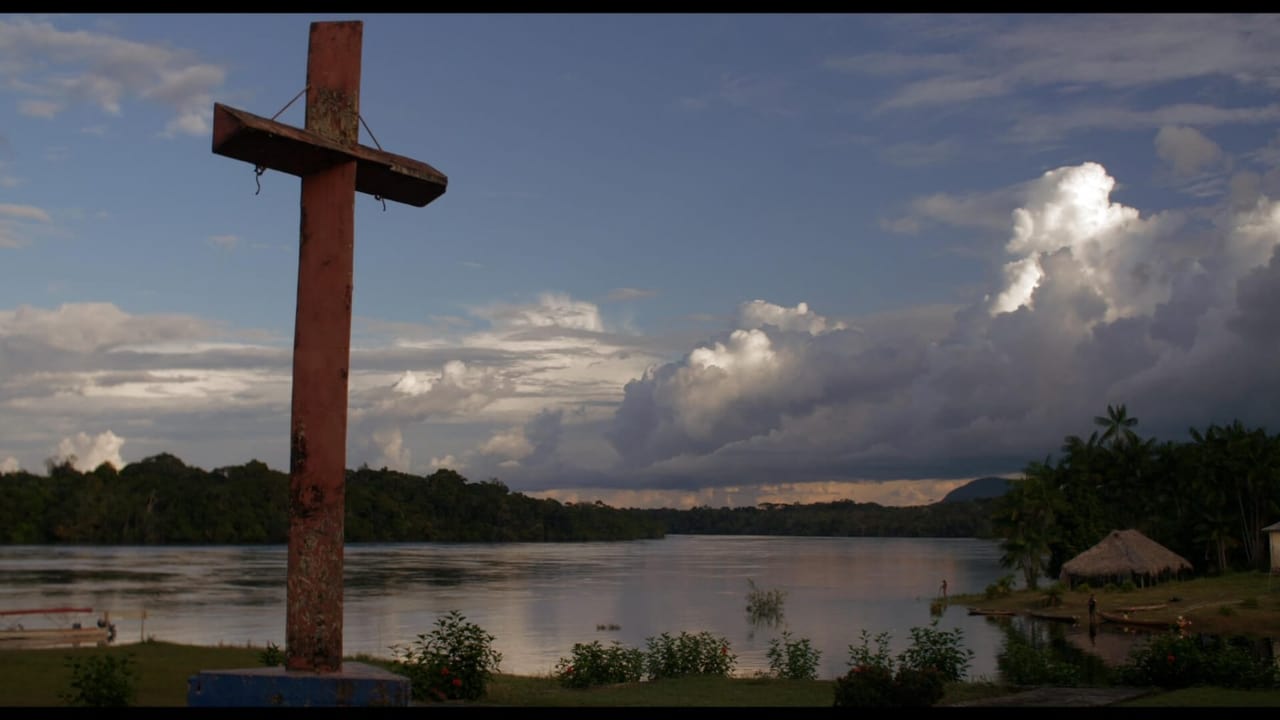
x: 1124, y: 619
x: 1055, y: 617
x: 62, y: 629
x: 982, y: 611
x: 1137, y: 608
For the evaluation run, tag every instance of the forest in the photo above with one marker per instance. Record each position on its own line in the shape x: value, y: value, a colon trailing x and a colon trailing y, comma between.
x: 162, y: 500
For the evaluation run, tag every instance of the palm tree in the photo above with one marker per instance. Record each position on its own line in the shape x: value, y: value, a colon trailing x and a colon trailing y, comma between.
x: 1117, y: 424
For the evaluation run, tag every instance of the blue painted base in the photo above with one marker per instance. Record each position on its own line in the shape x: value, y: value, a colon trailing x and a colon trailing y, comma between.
x: 355, y: 685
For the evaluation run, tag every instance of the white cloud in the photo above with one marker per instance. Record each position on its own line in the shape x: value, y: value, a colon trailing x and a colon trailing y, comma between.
x: 9, y: 465
x: 1186, y: 150
x: 53, y: 68
x: 24, y: 212
x: 626, y: 293
x: 391, y: 451
x: 88, y: 452
x: 226, y: 242
x: 39, y: 108
x: 1114, y: 52
x: 985, y: 211
x: 448, y: 461
x: 759, y: 313
x: 551, y: 310
x: 1098, y: 305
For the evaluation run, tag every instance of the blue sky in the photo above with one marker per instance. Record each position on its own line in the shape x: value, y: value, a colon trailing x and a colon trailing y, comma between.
x: 682, y: 259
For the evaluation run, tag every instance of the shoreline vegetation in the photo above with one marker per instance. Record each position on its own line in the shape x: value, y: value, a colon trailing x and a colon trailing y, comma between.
x: 35, y: 678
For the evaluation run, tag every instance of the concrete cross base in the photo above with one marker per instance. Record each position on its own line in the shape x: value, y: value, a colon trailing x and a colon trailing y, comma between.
x: 355, y: 685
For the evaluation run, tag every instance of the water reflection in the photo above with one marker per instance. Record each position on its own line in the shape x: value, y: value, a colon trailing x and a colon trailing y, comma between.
x: 536, y: 599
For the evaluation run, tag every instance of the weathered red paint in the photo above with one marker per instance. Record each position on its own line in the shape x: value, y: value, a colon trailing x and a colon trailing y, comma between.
x: 321, y: 351
x: 333, y: 166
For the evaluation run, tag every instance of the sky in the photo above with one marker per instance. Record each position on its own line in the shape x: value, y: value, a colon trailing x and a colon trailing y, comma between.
x: 682, y: 259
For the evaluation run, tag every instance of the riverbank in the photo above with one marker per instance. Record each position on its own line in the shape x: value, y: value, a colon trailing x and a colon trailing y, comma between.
x: 1236, y: 604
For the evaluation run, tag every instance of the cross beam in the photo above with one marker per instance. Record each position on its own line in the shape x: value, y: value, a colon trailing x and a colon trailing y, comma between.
x: 333, y: 167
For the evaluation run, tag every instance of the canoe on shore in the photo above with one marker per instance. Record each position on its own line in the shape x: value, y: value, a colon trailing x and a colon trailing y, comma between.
x: 1139, y: 608
x: 1122, y: 619
x: 1055, y: 617
x: 982, y: 611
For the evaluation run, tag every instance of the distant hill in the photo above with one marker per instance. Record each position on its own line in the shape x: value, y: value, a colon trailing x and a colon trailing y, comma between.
x: 984, y: 487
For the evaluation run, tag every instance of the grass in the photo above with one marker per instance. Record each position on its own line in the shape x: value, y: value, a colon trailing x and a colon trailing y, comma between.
x: 1208, y: 697
x: 34, y: 678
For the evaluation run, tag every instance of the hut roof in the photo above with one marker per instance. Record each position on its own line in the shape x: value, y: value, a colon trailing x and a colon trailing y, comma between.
x: 1122, y: 552
x: 1274, y: 527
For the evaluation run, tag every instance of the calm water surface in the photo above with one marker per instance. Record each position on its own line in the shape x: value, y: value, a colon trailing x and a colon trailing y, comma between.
x: 536, y: 599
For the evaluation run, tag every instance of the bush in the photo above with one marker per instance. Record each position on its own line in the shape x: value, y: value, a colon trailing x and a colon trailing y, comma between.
x: 918, y: 688
x: 1000, y: 588
x: 593, y: 664
x: 688, y: 654
x: 916, y: 678
x: 1174, y: 661
x: 866, y: 686
x: 1053, y: 595
x: 101, y: 681
x: 793, y: 659
x: 1021, y: 663
x: 453, y: 662
x: 272, y: 656
x: 942, y: 651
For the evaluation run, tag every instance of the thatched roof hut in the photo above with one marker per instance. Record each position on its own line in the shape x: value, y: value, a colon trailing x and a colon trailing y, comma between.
x: 1124, y: 555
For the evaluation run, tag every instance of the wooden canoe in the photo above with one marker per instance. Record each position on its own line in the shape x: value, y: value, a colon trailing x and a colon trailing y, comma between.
x: 1122, y: 619
x: 1139, y: 608
x: 981, y: 611
x: 1054, y: 617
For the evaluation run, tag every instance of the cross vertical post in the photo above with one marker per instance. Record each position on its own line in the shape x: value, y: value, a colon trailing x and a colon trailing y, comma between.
x: 321, y: 353
x: 333, y: 166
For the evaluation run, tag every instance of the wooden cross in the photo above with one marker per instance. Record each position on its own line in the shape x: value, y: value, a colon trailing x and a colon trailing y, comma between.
x: 327, y: 155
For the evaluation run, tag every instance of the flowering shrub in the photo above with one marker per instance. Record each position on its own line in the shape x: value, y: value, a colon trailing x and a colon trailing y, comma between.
x: 1175, y: 661
x: 916, y: 678
x: 793, y: 659
x: 688, y: 654
x: 866, y: 686
x: 593, y: 664
x: 453, y: 662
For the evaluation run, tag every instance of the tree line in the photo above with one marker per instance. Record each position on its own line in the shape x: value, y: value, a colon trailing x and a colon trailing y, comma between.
x: 1206, y: 498
x: 162, y: 500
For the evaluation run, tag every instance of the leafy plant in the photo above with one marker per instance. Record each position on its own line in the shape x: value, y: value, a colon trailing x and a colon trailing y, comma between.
x: 942, y: 651
x: 271, y: 656
x: 917, y: 677
x: 102, y: 681
x: 1175, y: 661
x: 455, y: 661
x: 1000, y: 588
x: 793, y: 659
x: 593, y: 664
x: 688, y: 654
x: 764, y: 606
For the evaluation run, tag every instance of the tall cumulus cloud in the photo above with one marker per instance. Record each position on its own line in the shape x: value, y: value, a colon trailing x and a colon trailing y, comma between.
x: 1098, y: 304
